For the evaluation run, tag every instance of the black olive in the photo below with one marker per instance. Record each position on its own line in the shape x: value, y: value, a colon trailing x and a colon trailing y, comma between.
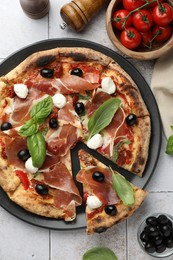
x: 41, y: 189
x: 160, y: 248
x: 150, y: 248
x: 131, y: 119
x: 111, y: 210
x: 47, y: 73
x: 77, y: 72
x: 144, y: 236
x: 23, y: 155
x: 53, y: 123
x: 151, y: 221
x: 163, y: 220
x: 169, y: 242
x: 166, y: 230
x: 6, y: 126
x: 98, y: 176
x: 157, y: 240
x: 79, y: 108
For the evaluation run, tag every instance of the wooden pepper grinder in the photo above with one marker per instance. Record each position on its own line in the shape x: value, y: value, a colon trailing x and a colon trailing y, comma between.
x: 78, y: 13
x: 35, y: 9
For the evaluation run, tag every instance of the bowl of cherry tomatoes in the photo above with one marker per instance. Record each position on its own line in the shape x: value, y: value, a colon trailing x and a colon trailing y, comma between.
x: 141, y: 29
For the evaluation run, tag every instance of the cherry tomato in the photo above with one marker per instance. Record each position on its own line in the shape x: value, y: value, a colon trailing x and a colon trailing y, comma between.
x: 132, y: 4
x: 164, y: 32
x: 118, y: 19
x: 163, y: 14
x: 130, y: 38
x: 146, y: 38
x: 142, y: 20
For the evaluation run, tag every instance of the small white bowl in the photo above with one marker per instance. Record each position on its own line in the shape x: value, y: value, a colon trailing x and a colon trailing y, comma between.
x: 168, y: 251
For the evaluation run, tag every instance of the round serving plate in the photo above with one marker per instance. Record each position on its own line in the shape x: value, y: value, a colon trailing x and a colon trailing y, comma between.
x: 13, y: 60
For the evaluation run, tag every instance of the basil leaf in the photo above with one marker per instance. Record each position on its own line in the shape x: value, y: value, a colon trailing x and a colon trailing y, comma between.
x: 103, y: 116
x: 123, y: 189
x: 99, y: 253
x: 117, y: 149
x: 37, y: 149
x: 42, y: 109
x: 169, y: 146
x: 29, y: 128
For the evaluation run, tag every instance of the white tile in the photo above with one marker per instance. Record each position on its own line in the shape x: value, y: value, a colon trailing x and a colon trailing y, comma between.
x: 22, y: 241
x: 73, y: 244
x: 155, y: 202
x: 17, y: 30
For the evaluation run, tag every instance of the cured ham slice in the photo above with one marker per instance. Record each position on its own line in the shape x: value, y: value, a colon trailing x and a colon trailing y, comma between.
x: 73, y: 84
x: 103, y: 190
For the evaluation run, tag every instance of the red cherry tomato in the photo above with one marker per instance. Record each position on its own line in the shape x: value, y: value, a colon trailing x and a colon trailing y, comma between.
x: 146, y: 38
x: 132, y: 4
x: 142, y: 20
x: 163, y: 32
x: 130, y: 38
x: 118, y: 19
x: 163, y: 14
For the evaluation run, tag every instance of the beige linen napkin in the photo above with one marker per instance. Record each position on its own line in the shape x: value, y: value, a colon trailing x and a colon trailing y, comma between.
x: 162, y: 86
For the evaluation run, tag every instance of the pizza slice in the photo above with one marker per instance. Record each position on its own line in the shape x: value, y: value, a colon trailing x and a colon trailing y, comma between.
x: 109, y: 199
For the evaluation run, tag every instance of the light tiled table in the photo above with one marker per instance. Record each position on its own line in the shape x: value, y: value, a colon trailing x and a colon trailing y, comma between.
x: 22, y: 241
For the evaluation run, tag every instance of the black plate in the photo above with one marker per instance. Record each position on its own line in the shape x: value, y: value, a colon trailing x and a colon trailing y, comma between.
x: 13, y: 60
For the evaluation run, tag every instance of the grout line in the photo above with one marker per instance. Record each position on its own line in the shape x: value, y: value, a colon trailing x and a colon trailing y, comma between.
x: 126, y: 240
x: 50, y: 245
x: 161, y: 191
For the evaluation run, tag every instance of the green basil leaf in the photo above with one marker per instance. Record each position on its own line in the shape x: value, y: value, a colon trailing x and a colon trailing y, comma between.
x: 123, y: 189
x: 42, y: 109
x: 37, y: 149
x: 99, y: 253
x: 117, y: 149
x: 169, y: 146
x: 103, y: 116
x: 29, y: 128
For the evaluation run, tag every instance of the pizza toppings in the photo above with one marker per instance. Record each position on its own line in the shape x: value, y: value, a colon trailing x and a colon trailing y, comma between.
x: 131, y: 119
x: 21, y: 90
x: 30, y: 167
x: 41, y: 189
x: 76, y: 72
x: 23, y: 155
x: 108, y: 85
x: 59, y: 100
x: 111, y: 210
x: 93, y: 202
x: 98, y: 176
x: 53, y: 123
x: 79, y: 108
x: 23, y: 178
x: 95, y: 142
x: 6, y: 126
x: 47, y: 72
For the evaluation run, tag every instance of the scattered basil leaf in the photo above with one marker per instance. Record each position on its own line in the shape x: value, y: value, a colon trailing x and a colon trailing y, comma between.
x: 37, y: 149
x: 123, y: 189
x: 99, y: 253
x: 117, y: 149
x: 169, y: 146
x: 29, y: 128
x: 42, y: 109
x: 103, y: 116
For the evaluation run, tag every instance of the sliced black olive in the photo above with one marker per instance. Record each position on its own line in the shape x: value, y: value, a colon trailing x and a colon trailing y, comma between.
x: 77, y: 72
x: 111, y: 210
x: 23, y: 155
x: 47, y: 73
x: 79, y: 108
x: 53, y: 123
x: 131, y: 119
x: 98, y: 176
x: 6, y: 126
x: 41, y: 189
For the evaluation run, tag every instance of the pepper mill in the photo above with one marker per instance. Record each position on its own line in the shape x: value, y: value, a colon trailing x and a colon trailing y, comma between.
x: 35, y: 9
x: 78, y: 13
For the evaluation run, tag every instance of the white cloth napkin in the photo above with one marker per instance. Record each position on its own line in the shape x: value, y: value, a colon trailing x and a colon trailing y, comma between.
x: 162, y: 87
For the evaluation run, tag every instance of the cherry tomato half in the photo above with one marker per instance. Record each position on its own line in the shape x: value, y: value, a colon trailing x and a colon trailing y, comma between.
x: 132, y: 4
x: 163, y: 14
x: 142, y: 20
x: 130, y: 38
x: 118, y: 19
x: 164, y: 32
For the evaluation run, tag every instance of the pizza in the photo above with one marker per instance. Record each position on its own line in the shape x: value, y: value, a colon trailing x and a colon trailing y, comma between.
x: 51, y: 101
x: 105, y: 206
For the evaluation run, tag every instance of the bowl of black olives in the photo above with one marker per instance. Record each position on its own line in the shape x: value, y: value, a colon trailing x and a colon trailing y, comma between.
x: 155, y: 235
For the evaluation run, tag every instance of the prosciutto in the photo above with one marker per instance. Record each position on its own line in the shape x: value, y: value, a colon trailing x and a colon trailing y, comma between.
x: 103, y: 190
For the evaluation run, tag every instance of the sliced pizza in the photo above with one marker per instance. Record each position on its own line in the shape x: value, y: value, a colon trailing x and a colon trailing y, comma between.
x: 109, y: 197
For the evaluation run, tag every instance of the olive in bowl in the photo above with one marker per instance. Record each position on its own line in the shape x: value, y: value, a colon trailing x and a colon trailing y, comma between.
x: 155, y: 235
